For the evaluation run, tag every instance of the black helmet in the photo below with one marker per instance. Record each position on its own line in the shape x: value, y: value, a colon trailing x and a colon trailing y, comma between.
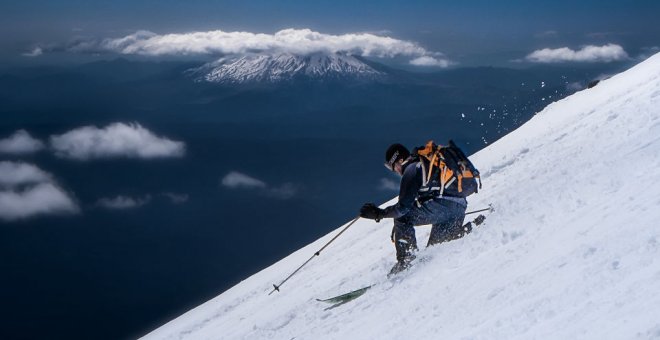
x: 394, y: 153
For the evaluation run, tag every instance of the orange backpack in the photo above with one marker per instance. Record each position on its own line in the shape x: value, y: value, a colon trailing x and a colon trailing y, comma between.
x: 456, y: 174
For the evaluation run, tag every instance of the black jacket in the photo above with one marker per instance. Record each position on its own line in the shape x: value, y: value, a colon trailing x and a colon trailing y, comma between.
x: 412, y: 181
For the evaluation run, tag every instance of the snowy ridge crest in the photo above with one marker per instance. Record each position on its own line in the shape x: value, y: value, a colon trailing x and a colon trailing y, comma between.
x: 280, y: 67
x: 572, y: 250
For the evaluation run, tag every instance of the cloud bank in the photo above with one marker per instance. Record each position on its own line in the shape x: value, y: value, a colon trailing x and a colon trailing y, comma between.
x: 20, y: 143
x: 26, y: 191
x: 115, y: 140
x: 237, y: 180
x: 123, y: 202
x: 606, y: 53
x: 430, y: 61
x: 294, y: 41
x: 14, y: 174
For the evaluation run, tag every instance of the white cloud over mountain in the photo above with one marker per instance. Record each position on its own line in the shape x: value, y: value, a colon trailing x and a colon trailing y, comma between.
x: 296, y: 41
x: 590, y: 53
x: 26, y: 190
x: 115, y: 140
x: 20, y: 143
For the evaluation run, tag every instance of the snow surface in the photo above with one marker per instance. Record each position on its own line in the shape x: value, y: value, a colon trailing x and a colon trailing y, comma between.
x: 571, y: 252
x: 285, y: 66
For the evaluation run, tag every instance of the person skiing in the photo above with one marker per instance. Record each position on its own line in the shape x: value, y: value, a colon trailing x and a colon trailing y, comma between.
x: 420, y: 203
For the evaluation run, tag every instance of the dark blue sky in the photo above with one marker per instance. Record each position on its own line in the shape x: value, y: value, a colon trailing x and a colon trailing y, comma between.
x: 480, y: 32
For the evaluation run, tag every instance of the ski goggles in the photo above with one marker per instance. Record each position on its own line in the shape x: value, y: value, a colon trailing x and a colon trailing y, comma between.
x: 389, y: 164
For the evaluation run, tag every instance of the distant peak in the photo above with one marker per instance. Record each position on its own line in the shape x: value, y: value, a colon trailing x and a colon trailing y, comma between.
x: 282, y: 67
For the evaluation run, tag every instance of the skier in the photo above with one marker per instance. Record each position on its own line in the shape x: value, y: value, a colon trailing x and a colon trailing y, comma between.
x: 419, y: 203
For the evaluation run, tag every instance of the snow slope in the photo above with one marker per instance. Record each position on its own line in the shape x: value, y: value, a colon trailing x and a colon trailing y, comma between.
x: 572, y: 251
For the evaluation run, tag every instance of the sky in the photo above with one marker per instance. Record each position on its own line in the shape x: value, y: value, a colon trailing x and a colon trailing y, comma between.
x: 478, y: 32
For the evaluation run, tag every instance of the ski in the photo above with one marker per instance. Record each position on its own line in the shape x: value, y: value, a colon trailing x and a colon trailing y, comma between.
x: 346, y: 297
x: 339, y: 300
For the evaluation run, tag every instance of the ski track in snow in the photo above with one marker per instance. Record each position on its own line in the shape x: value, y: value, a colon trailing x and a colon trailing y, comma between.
x: 571, y: 251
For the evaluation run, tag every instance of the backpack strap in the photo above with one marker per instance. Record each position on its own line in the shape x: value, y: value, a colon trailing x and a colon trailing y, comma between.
x: 431, y: 163
x: 442, y: 184
x: 459, y: 153
x: 424, y: 181
x: 426, y: 154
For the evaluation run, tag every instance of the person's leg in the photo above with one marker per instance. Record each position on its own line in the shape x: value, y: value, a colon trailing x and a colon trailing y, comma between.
x: 403, y: 233
x: 403, y: 236
x: 449, y: 221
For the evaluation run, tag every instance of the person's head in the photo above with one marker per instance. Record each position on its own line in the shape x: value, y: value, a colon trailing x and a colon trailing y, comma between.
x: 395, y: 155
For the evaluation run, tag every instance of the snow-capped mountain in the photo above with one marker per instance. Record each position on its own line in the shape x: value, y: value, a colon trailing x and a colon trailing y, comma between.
x: 572, y: 250
x: 280, y: 67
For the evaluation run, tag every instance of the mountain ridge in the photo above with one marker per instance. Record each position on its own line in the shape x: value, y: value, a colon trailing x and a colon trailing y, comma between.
x: 282, y: 67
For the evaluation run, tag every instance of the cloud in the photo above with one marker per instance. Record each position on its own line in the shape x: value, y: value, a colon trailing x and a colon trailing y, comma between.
x: 14, y: 174
x: 115, y: 140
x: 295, y: 41
x: 430, y: 61
x: 35, y: 52
x: 43, y: 198
x: 605, y: 53
x: 176, y: 198
x: 20, y: 143
x: 648, y: 51
x: 284, y: 192
x: 26, y: 191
x: 388, y: 184
x: 237, y: 180
x: 123, y: 202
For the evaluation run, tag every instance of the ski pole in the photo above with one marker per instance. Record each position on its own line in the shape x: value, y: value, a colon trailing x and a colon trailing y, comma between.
x: 490, y: 208
x: 277, y: 287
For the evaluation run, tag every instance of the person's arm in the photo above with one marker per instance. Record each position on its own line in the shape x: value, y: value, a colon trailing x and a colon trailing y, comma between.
x: 411, y: 182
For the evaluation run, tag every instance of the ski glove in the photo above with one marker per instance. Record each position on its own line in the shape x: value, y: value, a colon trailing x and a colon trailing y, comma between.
x: 372, y: 212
